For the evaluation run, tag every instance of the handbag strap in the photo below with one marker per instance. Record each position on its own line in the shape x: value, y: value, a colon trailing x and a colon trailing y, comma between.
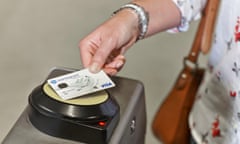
x: 204, y: 33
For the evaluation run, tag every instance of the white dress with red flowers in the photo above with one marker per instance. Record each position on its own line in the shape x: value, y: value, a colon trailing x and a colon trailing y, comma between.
x: 215, y: 117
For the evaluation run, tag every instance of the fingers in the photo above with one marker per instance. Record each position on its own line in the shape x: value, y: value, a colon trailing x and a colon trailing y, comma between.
x: 87, y: 50
x: 116, y: 62
x: 110, y: 71
x: 96, y: 56
x: 103, y: 47
x: 105, y: 56
x: 115, y: 65
x: 101, y: 55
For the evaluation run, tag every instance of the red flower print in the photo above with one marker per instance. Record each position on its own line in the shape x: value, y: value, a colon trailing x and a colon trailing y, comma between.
x: 216, y: 132
x: 233, y: 93
x: 237, y: 30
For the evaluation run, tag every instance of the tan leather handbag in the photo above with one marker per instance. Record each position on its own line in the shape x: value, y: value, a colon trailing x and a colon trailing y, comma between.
x: 170, y: 124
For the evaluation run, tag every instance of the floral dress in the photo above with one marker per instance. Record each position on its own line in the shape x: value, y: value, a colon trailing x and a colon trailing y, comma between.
x: 215, y: 117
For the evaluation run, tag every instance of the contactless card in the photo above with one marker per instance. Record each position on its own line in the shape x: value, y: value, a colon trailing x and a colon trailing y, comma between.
x: 80, y: 83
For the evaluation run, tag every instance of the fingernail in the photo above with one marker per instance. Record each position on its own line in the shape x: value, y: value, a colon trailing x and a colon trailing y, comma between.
x: 94, y: 68
x: 119, y: 64
x: 112, y: 72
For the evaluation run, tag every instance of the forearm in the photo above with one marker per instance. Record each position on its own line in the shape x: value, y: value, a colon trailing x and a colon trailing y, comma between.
x: 163, y: 15
x: 104, y: 47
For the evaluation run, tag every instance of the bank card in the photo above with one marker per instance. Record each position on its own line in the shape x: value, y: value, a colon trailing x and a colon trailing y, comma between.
x: 80, y: 83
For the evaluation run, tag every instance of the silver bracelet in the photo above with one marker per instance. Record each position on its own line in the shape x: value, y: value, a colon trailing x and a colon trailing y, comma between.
x: 143, y: 18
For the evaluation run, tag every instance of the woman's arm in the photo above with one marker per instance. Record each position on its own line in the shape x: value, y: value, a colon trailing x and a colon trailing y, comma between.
x: 104, y: 47
x: 163, y: 15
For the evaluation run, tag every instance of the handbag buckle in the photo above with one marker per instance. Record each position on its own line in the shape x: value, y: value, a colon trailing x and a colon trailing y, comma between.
x: 193, y: 66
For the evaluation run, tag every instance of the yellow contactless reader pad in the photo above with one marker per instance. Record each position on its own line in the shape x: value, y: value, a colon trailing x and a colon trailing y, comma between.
x: 91, y: 99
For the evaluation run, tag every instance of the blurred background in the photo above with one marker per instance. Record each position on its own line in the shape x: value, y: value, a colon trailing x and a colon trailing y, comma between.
x: 37, y: 35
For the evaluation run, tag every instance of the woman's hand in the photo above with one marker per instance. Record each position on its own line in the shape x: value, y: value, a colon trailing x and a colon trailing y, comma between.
x: 104, y: 48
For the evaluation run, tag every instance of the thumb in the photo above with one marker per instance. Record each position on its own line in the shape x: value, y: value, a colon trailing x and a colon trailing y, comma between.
x: 100, y: 56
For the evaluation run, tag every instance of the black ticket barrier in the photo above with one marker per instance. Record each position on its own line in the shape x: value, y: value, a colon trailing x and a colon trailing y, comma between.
x: 114, y: 116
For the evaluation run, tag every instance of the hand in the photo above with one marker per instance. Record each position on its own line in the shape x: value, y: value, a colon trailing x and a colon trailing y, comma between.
x: 104, y: 47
